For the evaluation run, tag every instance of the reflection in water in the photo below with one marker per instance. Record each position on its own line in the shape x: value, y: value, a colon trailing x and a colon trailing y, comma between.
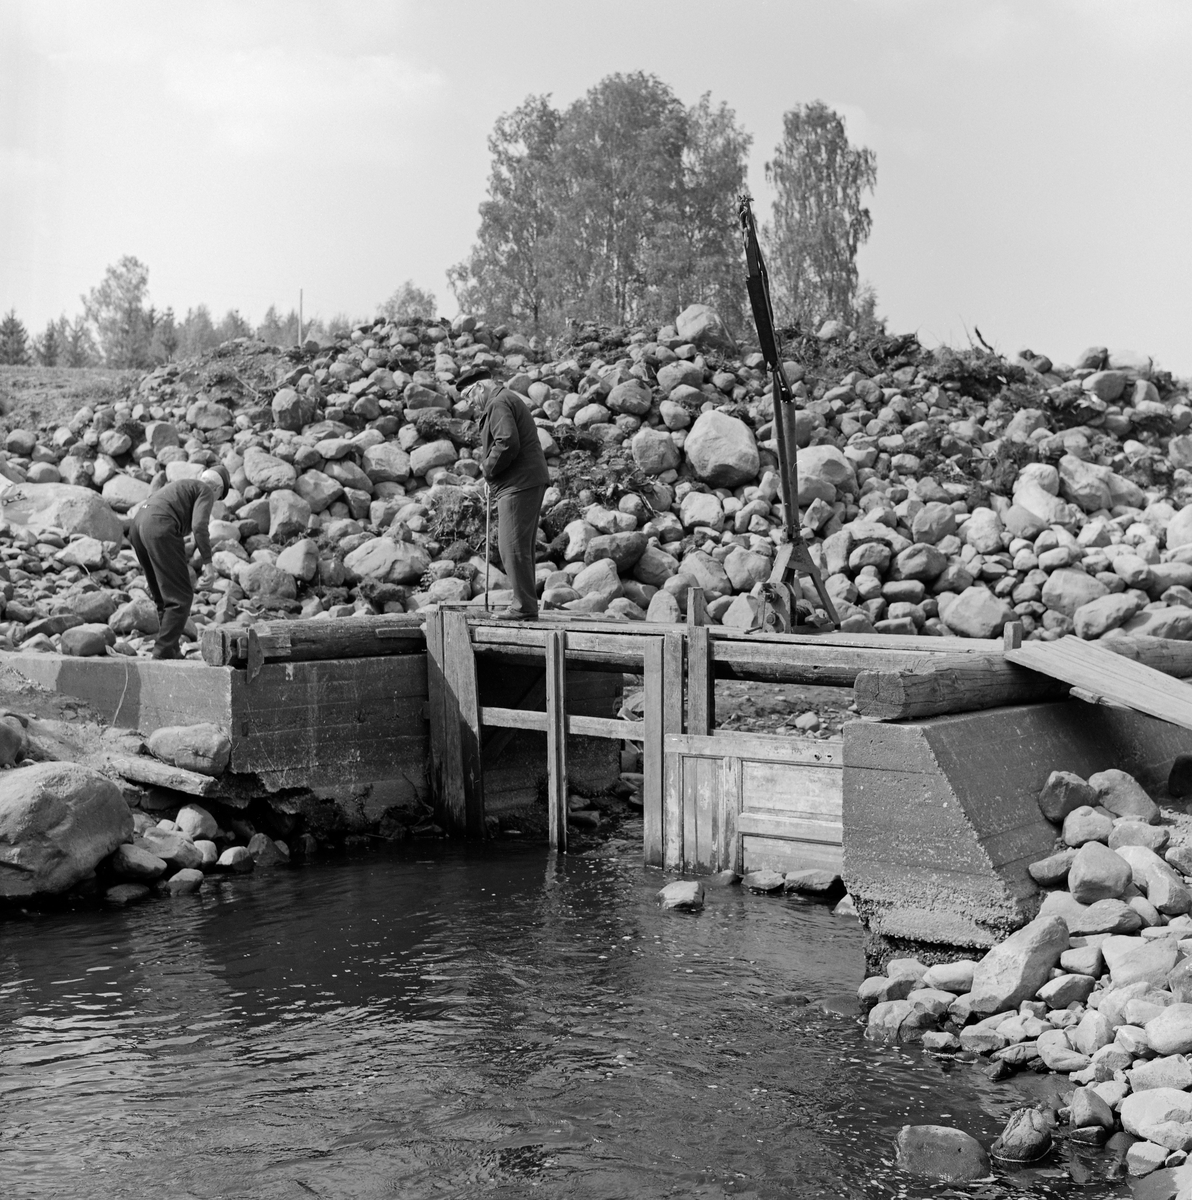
x: 493, y: 1022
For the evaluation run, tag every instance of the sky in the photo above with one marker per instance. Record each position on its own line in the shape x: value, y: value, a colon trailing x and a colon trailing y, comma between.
x: 1034, y: 157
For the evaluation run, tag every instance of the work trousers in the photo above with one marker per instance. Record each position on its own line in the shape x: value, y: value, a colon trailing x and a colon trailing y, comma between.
x: 161, y: 552
x: 517, y: 529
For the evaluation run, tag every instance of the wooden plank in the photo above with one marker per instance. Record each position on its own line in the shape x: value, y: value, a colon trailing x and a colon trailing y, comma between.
x: 699, y: 839
x: 957, y: 687
x: 140, y: 768
x: 442, y: 779
x: 763, y: 746
x: 673, y: 645
x: 731, y: 788
x: 652, y: 762
x: 780, y: 854
x: 1087, y: 665
x: 306, y: 640
x: 697, y: 608
x: 556, y: 738
x: 514, y: 718
x: 577, y: 725
x: 674, y: 782
x: 463, y: 780
x: 788, y: 787
x: 701, y: 682
x: 795, y: 829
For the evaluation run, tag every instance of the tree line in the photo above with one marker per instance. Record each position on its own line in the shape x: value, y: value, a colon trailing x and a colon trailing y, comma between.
x: 621, y: 209
x: 119, y: 326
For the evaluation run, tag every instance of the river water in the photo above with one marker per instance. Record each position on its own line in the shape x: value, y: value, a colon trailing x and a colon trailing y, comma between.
x: 437, y: 1021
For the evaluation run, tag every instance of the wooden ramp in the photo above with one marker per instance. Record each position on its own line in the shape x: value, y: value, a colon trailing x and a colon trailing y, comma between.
x: 1100, y: 675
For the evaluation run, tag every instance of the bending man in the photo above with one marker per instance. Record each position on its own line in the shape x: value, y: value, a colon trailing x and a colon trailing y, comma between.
x: 158, y: 536
x: 514, y: 465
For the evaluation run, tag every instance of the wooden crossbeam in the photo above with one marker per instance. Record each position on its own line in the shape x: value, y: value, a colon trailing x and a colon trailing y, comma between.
x: 1100, y: 672
x: 539, y: 721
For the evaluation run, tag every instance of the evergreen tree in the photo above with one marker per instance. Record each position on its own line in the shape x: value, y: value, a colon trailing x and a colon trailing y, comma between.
x: 78, y: 344
x: 164, y: 343
x: 14, y: 341
x: 233, y: 326
x: 48, y: 347
x: 278, y: 330
x: 819, y: 222
x: 197, y: 334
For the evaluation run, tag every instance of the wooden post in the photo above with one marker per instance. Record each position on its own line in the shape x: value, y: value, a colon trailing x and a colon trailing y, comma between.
x: 556, y: 737
x: 463, y: 773
x: 697, y: 607
x: 436, y: 707
x: 701, y: 682
x: 728, y: 841
x: 1012, y: 635
x: 652, y: 765
x: 673, y: 645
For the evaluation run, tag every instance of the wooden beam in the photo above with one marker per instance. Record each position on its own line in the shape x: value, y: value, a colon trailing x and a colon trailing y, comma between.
x: 701, y: 682
x: 307, y: 640
x: 673, y: 647
x: 465, y: 776
x: 446, y: 790
x: 956, y: 687
x: 697, y: 607
x: 652, y: 765
x: 1097, y: 670
x: 556, y: 738
x: 140, y: 768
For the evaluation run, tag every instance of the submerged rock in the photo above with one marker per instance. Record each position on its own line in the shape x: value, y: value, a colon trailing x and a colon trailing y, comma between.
x: 684, y: 895
x: 941, y: 1152
x: 1026, y: 1137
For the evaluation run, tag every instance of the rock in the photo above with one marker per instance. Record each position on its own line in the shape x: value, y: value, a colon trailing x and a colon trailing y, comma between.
x: 267, y: 472
x: 63, y: 507
x: 940, y: 1152
x: 137, y: 616
x: 127, y: 893
x: 264, y: 579
x: 1068, y: 589
x: 702, y: 326
x: 1123, y: 795
x: 722, y: 451
x: 386, y: 561
x: 291, y: 410
x: 1015, y: 970
x: 600, y: 579
x: 136, y: 863
x: 683, y: 895
x: 764, y: 881
x: 1098, y: 617
x: 1097, y: 873
x: 184, y: 882
x: 1064, y: 990
x: 87, y: 641
x: 57, y: 821
x: 1142, y: 1113
x: 956, y: 977
x: 631, y: 397
x: 978, y: 613
x: 1133, y: 960
x: 204, y: 748
x: 289, y: 514
x: 1026, y: 1137
x: 386, y: 463
x: 196, y: 822
x: 654, y: 451
x: 1144, y: 1157
x: 1129, y: 832
x: 123, y: 492
x: 300, y: 560
x: 1171, y: 1033
x: 236, y: 859
x: 1173, y: 1071
x: 1062, y: 793
x: 814, y: 882
x: 1106, y: 916
x: 1086, y: 824
x: 173, y: 848
x: 1052, y: 870
x: 1163, y: 887
x: 265, y: 852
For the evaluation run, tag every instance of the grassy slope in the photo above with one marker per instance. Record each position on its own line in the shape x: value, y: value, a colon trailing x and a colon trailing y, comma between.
x: 31, y: 396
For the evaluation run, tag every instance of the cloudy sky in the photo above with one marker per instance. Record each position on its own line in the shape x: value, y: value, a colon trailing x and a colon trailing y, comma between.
x: 1034, y: 156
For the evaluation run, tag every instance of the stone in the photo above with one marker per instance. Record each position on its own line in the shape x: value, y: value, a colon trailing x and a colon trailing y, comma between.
x: 264, y: 579
x: 701, y: 508
x: 1086, y: 824
x: 1130, y: 832
x: 744, y: 568
x: 600, y: 579
x: 292, y: 410
x: 1087, y: 1109
x: 1068, y: 589
x: 1062, y: 793
x: 204, y: 748
x: 267, y: 472
x: 814, y: 882
x: 1120, y: 793
x: 300, y: 560
x: 64, y: 507
x: 1173, y: 1071
x: 1134, y: 960
x: 87, y: 641
x: 632, y: 397
x: 1163, y: 887
x: 1097, y: 873
x: 764, y: 881
x: 978, y: 613
x: 1026, y: 1137
x: 185, y: 882
x: 683, y: 895
x: 57, y: 821
x: 721, y: 450
x: 1066, y: 989
x: 136, y: 863
x: 386, y: 462
x: 137, y: 616
x: 1085, y: 484
x: 1143, y: 1112
x: 123, y: 492
x: 289, y: 514
x: 383, y: 560
x: 1144, y: 1157
x: 196, y: 823
x: 1106, y: 916
x: 1015, y: 970
x: 127, y: 893
x: 1052, y: 870
x: 236, y: 859
x: 319, y: 490
x: 940, y: 1152
x: 956, y: 977
x: 1171, y: 1031
x: 702, y: 326
x: 173, y: 848
x: 654, y: 451
x: 1057, y: 1053
x: 265, y: 852
x: 1098, y: 617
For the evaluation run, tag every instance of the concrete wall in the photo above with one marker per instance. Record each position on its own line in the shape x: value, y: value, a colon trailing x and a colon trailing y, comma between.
x: 941, y: 819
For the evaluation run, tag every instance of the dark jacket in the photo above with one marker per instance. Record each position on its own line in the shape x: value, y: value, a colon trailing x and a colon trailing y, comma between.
x: 510, y: 454
x: 181, y: 507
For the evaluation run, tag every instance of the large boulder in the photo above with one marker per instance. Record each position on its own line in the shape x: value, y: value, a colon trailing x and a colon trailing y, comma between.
x: 702, y: 326
x: 977, y: 613
x: 57, y: 821
x: 654, y: 451
x: 722, y: 451
x: 267, y: 472
x: 61, y: 506
x: 941, y: 1152
x: 824, y: 465
x: 204, y: 748
x: 385, y: 561
x: 386, y: 463
x: 1017, y: 968
x: 123, y: 492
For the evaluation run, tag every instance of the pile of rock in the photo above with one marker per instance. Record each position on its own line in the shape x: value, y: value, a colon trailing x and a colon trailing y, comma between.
x: 66, y: 825
x: 1098, y: 986
x: 942, y: 492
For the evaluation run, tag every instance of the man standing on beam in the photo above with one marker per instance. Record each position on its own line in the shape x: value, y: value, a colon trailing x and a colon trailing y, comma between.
x: 514, y: 467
